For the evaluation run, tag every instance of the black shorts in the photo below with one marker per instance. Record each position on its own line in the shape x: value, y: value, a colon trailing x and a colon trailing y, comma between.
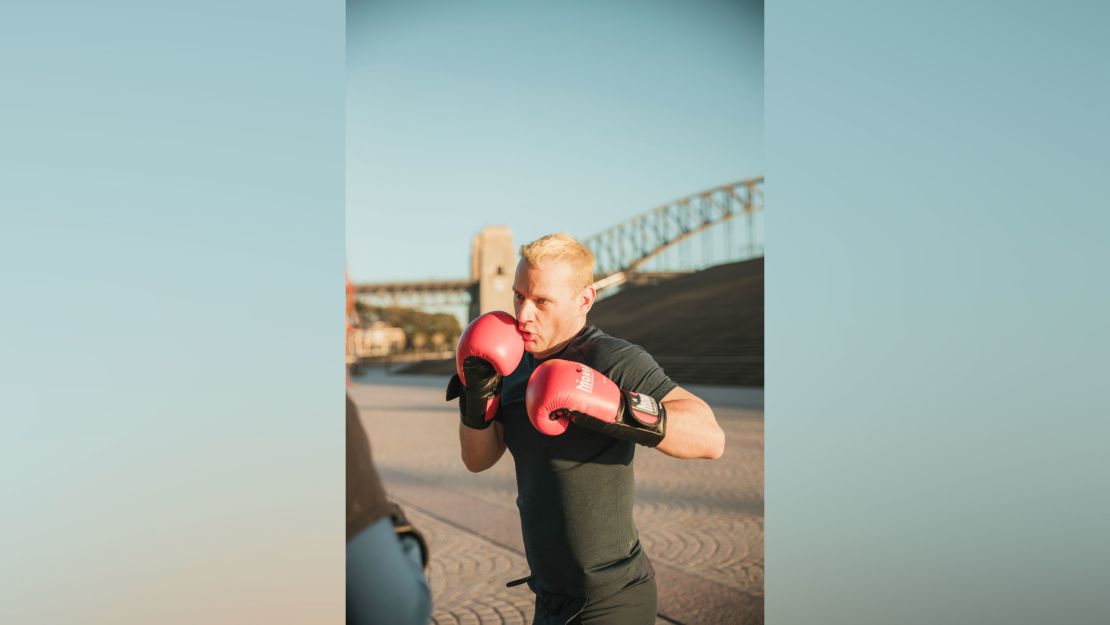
x: 636, y: 604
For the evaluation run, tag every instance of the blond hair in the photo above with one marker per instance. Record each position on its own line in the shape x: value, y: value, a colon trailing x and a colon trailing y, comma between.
x: 562, y: 247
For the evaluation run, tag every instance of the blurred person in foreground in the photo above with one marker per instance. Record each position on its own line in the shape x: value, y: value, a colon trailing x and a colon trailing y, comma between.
x: 386, y: 556
x: 571, y: 403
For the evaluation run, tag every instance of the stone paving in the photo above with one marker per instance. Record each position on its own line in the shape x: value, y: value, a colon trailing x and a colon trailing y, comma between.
x: 701, y: 522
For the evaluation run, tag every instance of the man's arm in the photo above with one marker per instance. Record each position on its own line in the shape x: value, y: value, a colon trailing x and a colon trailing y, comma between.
x: 481, y: 449
x: 681, y: 425
x: 489, y: 349
x: 692, y: 430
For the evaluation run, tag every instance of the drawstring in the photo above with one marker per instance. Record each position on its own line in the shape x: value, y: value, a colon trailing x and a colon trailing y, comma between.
x: 517, y: 582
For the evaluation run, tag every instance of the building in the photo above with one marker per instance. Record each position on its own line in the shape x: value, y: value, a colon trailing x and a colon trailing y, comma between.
x: 376, y: 339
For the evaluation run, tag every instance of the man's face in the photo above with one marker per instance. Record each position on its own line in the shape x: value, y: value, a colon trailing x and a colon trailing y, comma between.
x: 550, y: 306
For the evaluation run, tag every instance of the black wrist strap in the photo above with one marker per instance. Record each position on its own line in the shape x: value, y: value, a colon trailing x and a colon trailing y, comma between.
x: 627, y: 426
x: 643, y: 410
x: 472, y: 406
x: 472, y: 412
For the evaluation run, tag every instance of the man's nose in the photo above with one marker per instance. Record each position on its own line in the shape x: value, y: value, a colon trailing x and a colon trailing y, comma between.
x: 524, y: 311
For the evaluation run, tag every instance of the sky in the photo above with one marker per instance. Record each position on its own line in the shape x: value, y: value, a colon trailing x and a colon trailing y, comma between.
x: 544, y: 117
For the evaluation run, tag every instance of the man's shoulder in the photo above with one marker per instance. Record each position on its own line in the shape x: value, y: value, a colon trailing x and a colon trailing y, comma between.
x: 627, y: 364
x: 595, y: 336
x: 603, y: 351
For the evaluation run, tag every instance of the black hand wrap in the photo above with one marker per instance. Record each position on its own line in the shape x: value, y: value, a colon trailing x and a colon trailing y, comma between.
x: 485, y: 384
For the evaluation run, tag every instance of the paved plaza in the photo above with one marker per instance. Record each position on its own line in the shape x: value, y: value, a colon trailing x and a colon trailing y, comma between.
x: 701, y: 522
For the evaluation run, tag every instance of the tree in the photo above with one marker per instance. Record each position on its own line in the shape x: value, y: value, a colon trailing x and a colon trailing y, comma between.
x: 415, y: 323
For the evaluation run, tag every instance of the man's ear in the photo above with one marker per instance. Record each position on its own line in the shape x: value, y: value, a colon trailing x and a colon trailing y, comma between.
x: 587, y: 297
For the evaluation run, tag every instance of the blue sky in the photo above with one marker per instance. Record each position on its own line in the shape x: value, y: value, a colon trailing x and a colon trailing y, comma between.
x: 546, y: 117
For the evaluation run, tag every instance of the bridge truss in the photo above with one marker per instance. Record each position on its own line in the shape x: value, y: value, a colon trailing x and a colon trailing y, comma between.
x: 625, y: 249
x: 417, y: 294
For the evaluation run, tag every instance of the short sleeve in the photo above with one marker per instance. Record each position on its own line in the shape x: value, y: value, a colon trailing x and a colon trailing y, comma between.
x: 632, y: 368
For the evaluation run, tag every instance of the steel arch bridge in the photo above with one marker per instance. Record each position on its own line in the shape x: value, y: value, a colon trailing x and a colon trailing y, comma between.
x: 622, y: 251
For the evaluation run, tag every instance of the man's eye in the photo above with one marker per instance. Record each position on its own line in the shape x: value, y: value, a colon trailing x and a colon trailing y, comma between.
x: 518, y: 296
x: 541, y: 302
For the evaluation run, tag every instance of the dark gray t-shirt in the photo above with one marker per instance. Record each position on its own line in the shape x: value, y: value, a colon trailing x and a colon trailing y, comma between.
x: 575, y: 491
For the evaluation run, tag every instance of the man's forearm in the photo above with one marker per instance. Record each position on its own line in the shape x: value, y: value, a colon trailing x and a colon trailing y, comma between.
x: 481, y: 449
x: 692, y: 430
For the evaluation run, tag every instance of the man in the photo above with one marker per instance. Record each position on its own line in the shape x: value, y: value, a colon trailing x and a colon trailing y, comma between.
x: 575, y: 489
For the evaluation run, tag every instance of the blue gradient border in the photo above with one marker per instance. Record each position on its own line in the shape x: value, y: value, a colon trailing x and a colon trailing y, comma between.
x: 936, y: 317
x: 172, y: 265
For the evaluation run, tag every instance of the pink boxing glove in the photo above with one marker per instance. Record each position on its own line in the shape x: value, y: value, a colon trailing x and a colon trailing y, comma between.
x: 489, y: 348
x: 561, y: 391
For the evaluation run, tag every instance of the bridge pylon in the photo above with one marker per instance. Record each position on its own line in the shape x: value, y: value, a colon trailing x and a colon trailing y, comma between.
x: 492, y: 267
